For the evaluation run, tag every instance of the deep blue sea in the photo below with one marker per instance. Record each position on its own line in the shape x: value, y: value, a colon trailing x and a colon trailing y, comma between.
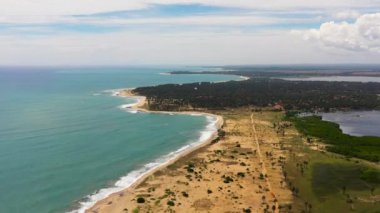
x: 63, y: 136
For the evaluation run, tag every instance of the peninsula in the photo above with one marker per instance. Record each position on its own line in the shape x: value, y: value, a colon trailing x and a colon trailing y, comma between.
x: 264, y: 158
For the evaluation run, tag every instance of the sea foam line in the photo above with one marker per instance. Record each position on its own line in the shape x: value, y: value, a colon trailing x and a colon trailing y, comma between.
x: 134, y: 176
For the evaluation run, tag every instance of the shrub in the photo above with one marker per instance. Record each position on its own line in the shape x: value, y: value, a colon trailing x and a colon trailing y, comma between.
x: 227, y: 179
x: 248, y: 210
x: 185, y: 194
x: 140, y: 200
x: 370, y: 175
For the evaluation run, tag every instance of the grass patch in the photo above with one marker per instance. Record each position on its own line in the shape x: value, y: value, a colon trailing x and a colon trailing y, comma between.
x: 330, y: 183
x: 370, y: 176
x: 366, y: 147
x: 330, y: 178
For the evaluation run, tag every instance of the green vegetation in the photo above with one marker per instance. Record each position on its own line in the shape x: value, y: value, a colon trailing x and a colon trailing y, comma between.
x: 140, y: 200
x: 365, y: 147
x: 290, y: 71
x: 227, y: 179
x: 190, y: 168
x: 337, y: 178
x: 370, y: 175
x: 329, y: 182
x: 248, y: 210
x: 263, y: 92
x: 170, y: 203
x: 320, y: 181
x: 185, y: 194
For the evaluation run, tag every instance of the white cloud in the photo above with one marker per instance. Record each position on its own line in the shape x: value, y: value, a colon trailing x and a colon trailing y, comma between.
x: 363, y: 34
x: 77, y: 7
x: 269, y: 47
x: 195, y: 20
x: 65, y: 7
x: 62, y: 11
x: 200, y: 20
x: 37, y: 19
x: 143, y: 44
x: 276, y: 4
x: 215, y: 20
x: 346, y: 15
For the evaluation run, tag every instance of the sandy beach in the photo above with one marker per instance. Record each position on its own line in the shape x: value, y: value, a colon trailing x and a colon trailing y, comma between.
x: 241, y: 171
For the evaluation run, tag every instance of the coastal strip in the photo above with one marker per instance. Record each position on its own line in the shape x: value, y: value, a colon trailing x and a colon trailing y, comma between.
x: 225, y: 175
x: 141, y: 106
x: 125, y: 184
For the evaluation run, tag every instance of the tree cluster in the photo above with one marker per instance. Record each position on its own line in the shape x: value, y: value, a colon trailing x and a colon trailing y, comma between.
x: 264, y: 92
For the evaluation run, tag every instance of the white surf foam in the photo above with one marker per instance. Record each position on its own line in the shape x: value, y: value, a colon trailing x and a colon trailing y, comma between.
x: 116, y: 92
x: 165, y: 73
x: 129, y: 179
x: 126, y: 106
x: 243, y: 78
x: 130, y: 107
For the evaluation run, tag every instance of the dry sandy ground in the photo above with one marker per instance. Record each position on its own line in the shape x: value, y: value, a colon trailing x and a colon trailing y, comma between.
x: 242, y: 172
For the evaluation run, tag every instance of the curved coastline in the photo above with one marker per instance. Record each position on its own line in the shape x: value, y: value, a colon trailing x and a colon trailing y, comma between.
x: 135, y: 177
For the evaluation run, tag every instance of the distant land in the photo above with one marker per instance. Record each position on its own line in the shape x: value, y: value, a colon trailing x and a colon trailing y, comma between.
x: 274, y: 153
x: 265, y: 89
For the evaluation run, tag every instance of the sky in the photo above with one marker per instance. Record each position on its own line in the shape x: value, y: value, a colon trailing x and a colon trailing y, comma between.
x: 197, y: 32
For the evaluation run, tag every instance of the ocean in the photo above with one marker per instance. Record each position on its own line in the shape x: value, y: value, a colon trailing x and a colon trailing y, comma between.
x: 66, y: 142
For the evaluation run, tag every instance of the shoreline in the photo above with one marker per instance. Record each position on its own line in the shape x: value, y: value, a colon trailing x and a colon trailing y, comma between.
x: 141, y: 103
x: 178, y: 154
x: 230, y: 174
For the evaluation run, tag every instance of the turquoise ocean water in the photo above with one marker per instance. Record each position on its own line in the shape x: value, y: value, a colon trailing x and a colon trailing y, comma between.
x: 63, y: 136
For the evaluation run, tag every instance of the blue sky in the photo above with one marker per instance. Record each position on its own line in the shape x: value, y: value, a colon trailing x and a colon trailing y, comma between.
x: 188, y: 32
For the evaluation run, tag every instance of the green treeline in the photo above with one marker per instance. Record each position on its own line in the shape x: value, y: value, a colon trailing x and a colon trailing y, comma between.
x: 291, y: 95
x: 264, y: 92
x: 366, y: 147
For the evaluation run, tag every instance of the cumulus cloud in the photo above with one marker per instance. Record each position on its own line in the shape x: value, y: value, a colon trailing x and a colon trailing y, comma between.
x: 36, y: 32
x: 363, y: 34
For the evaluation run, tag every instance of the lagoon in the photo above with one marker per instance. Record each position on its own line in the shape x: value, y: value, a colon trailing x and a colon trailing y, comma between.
x: 336, y: 78
x: 357, y: 123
